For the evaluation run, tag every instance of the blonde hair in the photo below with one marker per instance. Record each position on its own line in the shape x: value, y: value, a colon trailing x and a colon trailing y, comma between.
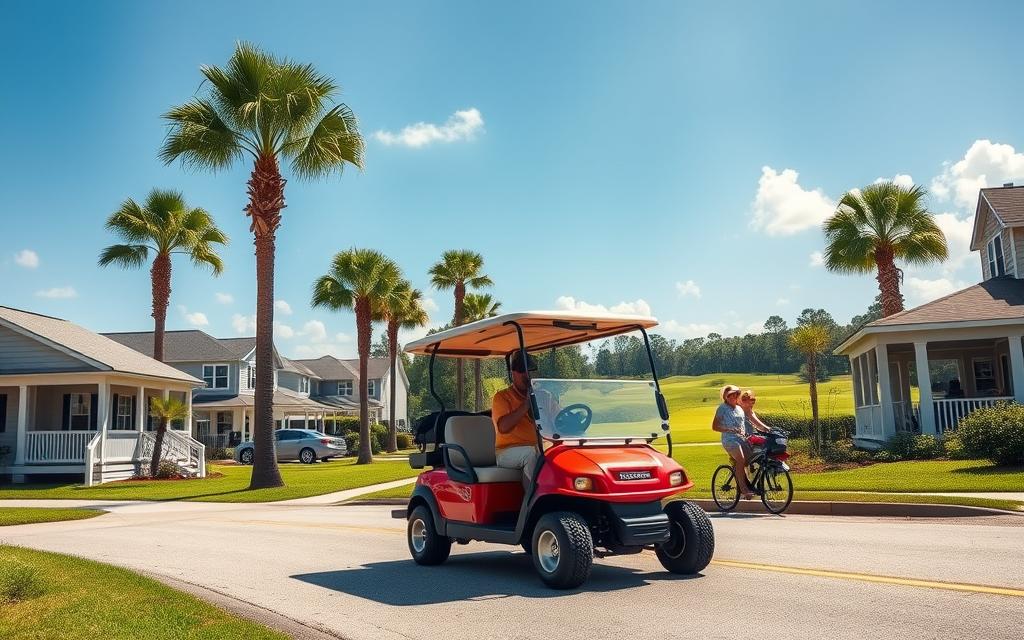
x: 748, y: 394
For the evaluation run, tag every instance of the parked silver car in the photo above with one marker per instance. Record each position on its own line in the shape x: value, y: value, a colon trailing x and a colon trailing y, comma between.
x: 304, y: 445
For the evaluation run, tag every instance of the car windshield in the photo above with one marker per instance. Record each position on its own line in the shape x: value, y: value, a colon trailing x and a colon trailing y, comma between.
x: 571, y: 409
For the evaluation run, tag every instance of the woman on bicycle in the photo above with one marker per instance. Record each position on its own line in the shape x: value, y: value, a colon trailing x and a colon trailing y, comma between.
x: 751, y: 422
x: 730, y: 422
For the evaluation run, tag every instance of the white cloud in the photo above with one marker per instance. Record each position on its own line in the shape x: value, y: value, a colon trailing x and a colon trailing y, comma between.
x: 921, y: 290
x: 900, y: 179
x: 57, y: 292
x: 224, y: 298
x: 817, y: 259
x: 314, y: 330
x: 689, y: 329
x: 27, y: 258
x: 245, y: 325
x: 342, y: 337
x: 341, y: 346
x: 782, y: 302
x: 462, y: 125
x: 638, y: 307
x: 283, y: 331
x: 283, y: 307
x: 429, y: 305
x: 194, y: 319
x: 688, y: 288
x: 985, y: 164
x: 783, y: 207
x: 958, y: 233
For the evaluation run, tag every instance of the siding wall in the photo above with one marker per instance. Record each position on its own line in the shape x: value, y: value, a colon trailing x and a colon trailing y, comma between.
x: 1018, y: 247
x: 196, y: 369
x: 22, y: 354
x: 289, y: 380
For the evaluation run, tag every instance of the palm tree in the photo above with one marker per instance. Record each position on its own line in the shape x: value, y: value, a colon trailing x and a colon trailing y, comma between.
x: 812, y: 340
x: 478, y: 306
x: 456, y: 270
x: 165, y: 411
x: 402, y: 310
x: 268, y: 109
x: 363, y: 280
x: 877, y: 225
x: 164, y: 225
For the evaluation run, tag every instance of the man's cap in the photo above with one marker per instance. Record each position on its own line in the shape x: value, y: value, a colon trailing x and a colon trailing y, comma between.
x: 517, y: 362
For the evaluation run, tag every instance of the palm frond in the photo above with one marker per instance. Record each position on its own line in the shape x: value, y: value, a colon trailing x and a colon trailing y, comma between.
x: 170, y: 409
x: 131, y: 256
x: 330, y: 293
x: 333, y: 142
x: 199, y: 137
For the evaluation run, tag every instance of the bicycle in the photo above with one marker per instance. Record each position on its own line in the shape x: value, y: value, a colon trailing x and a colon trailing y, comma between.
x: 770, y: 480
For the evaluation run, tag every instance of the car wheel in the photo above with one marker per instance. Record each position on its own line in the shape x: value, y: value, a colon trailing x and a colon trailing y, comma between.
x: 307, y: 456
x: 245, y: 457
x: 692, y: 539
x: 324, y: 459
x: 425, y: 545
x: 563, y: 550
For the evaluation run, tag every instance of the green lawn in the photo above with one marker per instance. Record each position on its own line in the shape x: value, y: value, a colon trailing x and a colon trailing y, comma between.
x: 10, y: 516
x: 300, y: 481
x: 692, y: 400
x: 77, y: 598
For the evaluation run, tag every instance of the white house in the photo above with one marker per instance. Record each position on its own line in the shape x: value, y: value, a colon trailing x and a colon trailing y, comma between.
x: 75, y: 402
x: 964, y: 349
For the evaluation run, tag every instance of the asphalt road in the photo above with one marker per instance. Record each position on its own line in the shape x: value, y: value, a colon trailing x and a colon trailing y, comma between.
x: 346, y: 569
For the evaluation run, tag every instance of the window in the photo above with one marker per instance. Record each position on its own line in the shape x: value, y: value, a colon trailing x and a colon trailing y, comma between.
x: 215, y: 376
x: 250, y: 381
x: 984, y: 375
x: 344, y: 387
x: 123, y: 413
x: 78, y: 411
x: 865, y: 379
x: 304, y: 384
x: 371, y: 387
x: 996, y: 264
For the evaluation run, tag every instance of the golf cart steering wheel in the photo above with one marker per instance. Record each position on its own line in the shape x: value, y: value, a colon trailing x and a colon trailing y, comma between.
x: 574, y: 419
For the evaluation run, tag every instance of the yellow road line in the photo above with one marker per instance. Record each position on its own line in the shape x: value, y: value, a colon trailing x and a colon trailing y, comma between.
x: 868, y: 577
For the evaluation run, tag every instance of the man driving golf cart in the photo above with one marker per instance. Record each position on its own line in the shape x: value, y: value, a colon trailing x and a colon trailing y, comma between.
x: 515, y: 438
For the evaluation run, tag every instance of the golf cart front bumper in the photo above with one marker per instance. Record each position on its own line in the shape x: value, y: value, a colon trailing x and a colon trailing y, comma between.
x: 638, y: 525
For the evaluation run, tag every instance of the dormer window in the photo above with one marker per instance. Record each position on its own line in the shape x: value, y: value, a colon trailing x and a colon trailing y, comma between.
x: 304, y: 385
x: 996, y: 264
x: 215, y: 376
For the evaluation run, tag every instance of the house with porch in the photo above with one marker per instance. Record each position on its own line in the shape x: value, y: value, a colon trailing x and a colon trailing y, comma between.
x: 955, y: 354
x: 74, y: 402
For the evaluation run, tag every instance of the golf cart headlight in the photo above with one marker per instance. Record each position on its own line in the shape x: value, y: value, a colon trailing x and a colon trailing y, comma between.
x: 675, y: 478
x: 583, y: 484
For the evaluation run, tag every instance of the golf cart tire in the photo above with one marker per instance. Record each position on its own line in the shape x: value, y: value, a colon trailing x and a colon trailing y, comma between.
x: 692, y: 541
x: 575, y: 549
x: 435, y: 548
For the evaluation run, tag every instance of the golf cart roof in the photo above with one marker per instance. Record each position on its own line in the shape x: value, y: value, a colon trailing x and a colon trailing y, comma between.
x: 496, y: 337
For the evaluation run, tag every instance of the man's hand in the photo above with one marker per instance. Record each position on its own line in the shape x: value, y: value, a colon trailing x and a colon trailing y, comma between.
x: 509, y: 421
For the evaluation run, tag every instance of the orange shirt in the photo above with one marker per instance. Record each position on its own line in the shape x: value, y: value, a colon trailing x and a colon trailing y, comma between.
x: 525, y: 431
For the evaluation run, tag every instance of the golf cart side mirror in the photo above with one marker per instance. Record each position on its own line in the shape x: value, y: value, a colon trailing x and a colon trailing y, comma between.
x: 662, y: 406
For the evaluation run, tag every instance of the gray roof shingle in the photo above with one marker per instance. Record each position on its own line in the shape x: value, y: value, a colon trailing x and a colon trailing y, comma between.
x: 995, y: 299
x: 1008, y: 203
x: 190, y: 345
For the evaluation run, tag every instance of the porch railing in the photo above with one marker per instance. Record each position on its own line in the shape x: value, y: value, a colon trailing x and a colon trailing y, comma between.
x: 179, y: 448
x: 950, y: 411
x: 56, y: 447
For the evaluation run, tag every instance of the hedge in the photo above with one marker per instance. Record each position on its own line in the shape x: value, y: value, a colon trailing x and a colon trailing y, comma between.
x: 995, y: 433
x: 834, y: 427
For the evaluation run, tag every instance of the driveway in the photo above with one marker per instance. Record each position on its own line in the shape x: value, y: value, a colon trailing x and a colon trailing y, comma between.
x: 347, y: 569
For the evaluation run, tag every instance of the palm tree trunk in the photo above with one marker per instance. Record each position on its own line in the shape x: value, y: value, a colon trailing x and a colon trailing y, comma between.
x: 160, y: 277
x: 363, y: 329
x: 479, y: 382
x: 266, y: 199
x: 393, y: 353
x: 888, y: 282
x: 460, y: 296
x: 158, y: 445
x: 816, y: 439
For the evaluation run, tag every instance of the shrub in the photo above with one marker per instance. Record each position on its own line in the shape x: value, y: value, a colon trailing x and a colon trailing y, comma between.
x: 217, y: 453
x: 343, y: 425
x: 904, y: 445
x: 843, y: 451
x: 884, y: 455
x: 901, y: 445
x: 995, y: 433
x: 19, y: 582
x: 954, y: 447
x: 378, y: 439
x: 404, y: 440
x: 833, y: 427
x: 167, y: 470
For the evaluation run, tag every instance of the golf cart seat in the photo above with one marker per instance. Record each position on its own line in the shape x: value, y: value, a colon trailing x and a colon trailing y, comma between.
x: 475, y: 436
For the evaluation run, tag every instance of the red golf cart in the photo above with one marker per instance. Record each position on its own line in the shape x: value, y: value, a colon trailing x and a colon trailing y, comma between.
x: 598, y: 489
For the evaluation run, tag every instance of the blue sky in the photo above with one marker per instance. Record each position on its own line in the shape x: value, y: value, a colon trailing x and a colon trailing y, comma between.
x: 663, y: 155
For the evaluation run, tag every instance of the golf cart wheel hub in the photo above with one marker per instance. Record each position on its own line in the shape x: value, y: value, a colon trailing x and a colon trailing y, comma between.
x: 547, y: 551
x: 419, y: 535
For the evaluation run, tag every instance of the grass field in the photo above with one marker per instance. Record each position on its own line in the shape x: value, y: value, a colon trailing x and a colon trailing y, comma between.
x: 692, y: 400
x: 10, y: 516
x: 231, y: 486
x: 69, y: 598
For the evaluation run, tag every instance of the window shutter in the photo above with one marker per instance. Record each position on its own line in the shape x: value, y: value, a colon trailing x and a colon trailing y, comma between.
x: 65, y: 418
x: 3, y: 412
x: 135, y: 410
x: 113, y: 412
x: 93, y: 409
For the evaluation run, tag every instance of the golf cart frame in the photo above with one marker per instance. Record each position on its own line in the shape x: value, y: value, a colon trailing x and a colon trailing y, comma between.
x: 588, y: 495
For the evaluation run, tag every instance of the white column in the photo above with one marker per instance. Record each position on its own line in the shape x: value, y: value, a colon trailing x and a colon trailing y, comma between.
x: 305, y: 419
x: 103, y: 415
x: 1017, y: 369
x: 885, y: 390
x: 188, y: 419
x: 141, y: 410
x: 19, y: 446
x: 924, y: 384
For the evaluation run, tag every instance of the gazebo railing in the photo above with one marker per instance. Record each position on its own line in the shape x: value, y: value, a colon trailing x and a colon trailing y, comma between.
x: 950, y: 411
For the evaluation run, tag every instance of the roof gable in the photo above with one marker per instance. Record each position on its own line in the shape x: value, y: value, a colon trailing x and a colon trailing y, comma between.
x: 1006, y: 204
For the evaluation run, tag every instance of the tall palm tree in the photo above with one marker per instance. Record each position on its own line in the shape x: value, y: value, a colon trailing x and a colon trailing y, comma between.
x: 266, y: 109
x: 812, y: 340
x: 874, y: 227
x: 478, y: 306
x: 363, y: 280
x: 402, y: 310
x: 457, y: 270
x: 165, y: 411
x: 164, y: 225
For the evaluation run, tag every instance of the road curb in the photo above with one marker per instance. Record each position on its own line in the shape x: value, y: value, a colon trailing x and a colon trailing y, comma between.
x: 816, y: 508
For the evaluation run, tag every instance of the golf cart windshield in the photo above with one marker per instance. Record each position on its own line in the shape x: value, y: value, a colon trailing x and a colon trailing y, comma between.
x: 587, y: 409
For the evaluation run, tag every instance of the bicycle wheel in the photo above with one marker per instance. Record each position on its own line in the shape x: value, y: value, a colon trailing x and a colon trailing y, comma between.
x: 724, y: 490
x: 776, y: 489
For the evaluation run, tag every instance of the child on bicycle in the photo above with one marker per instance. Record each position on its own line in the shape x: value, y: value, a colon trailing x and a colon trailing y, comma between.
x: 751, y: 422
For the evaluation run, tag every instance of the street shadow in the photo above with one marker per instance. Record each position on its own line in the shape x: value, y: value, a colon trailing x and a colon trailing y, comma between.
x: 469, y: 576
x: 737, y: 515
x: 989, y: 470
